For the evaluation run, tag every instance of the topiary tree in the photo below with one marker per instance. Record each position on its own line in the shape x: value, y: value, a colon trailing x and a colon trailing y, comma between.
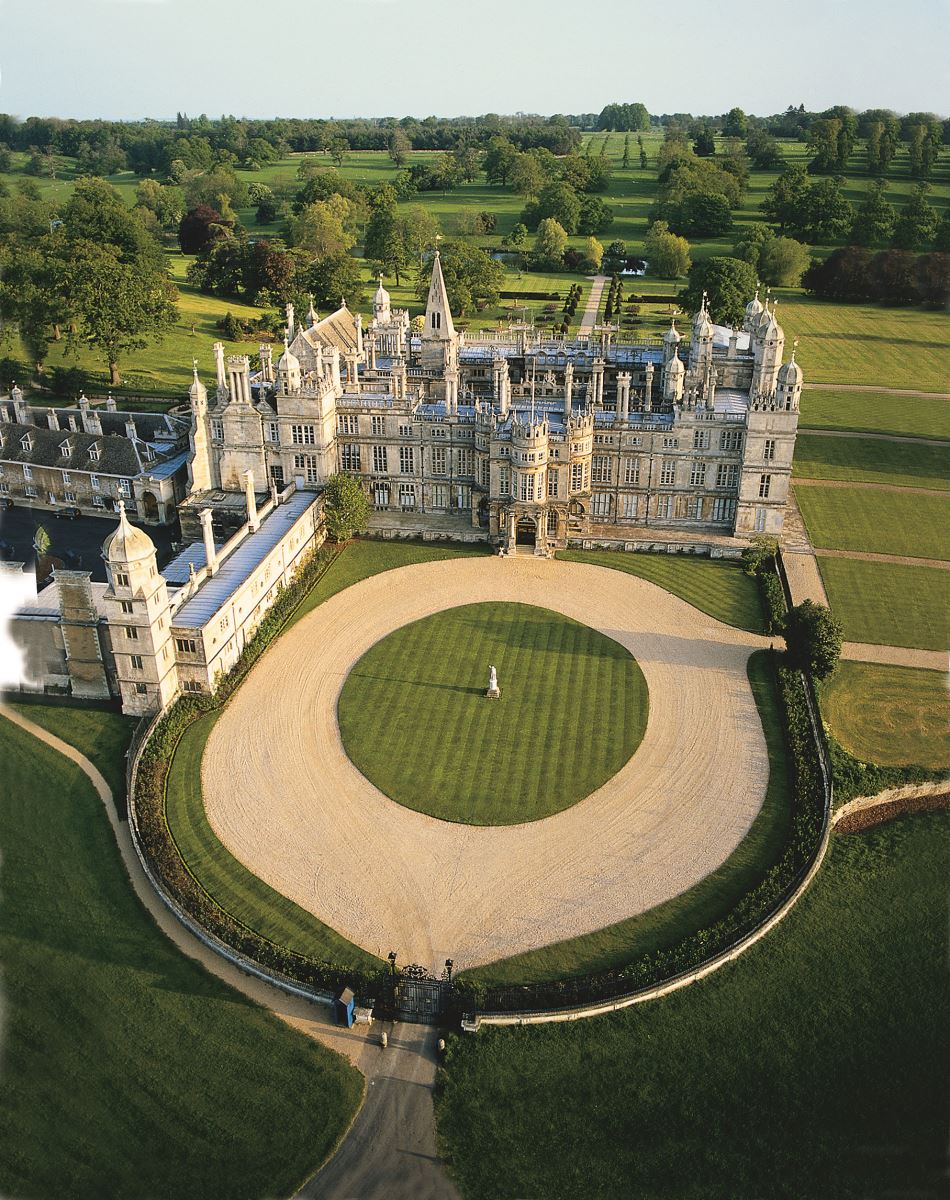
x: 814, y: 638
x: 345, y: 507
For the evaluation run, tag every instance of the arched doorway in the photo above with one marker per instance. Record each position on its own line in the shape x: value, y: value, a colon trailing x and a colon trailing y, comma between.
x: 149, y: 506
x: 526, y: 532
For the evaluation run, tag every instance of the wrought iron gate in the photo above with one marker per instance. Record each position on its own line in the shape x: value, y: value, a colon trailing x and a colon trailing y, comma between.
x: 421, y: 998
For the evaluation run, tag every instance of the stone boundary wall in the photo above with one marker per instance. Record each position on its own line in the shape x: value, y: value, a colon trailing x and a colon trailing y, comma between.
x: 243, y: 963
x: 864, y: 812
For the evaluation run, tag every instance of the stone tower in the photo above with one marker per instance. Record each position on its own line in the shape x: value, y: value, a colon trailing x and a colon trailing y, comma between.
x: 139, y: 623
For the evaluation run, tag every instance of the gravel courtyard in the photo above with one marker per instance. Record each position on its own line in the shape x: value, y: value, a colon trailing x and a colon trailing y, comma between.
x: 287, y: 802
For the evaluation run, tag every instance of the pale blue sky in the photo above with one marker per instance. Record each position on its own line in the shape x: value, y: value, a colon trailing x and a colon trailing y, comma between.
x: 321, y: 58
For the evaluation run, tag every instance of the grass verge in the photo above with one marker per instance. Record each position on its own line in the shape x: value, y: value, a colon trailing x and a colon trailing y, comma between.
x: 812, y: 1066
x: 872, y: 460
x: 113, y: 1039
x: 719, y: 588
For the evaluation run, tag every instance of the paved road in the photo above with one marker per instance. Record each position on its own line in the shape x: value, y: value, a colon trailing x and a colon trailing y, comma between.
x: 589, y: 319
x: 78, y: 543
x: 390, y: 1151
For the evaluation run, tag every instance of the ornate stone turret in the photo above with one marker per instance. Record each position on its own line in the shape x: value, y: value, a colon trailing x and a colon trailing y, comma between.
x: 768, y: 343
x: 673, y: 378
x: 201, y: 475
x: 288, y: 372
x: 790, y: 378
x: 222, y: 386
x: 382, y: 309
x: 144, y: 662
x: 671, y: 341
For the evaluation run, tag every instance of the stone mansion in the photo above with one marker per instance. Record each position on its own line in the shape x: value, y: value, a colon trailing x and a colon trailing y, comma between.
x: 503, y: 437
x: 518, y: 439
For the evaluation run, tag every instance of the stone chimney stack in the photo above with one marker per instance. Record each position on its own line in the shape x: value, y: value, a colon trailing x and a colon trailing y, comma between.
x: 90, y: 418
x: 623, y: 396
x: 568, y: 389
x: 21, y: 409
x: 130, y: 431
x: 253, y: 520
x: 52, y: 419
x: 110, y: 403
x: 219, y: 368
x: 267, y: 363
x: 211, y: 555
x: 239, y: 378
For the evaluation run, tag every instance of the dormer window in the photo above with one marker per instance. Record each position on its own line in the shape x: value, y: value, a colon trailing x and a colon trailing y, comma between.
x: 94, y: 453
x: 65, y: 449
x: 26, y: 443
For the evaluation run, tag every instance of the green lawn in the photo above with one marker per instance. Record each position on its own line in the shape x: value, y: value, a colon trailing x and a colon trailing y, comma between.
x: 102, y: 736
x: 233, y: 887
x: 573, y: 709
x: 904, y: 523
x: 814, y: 1066
x: 361, y: 559
x: 701, y: 906
x: 129, y: 1071
x: 876, y: 412
x: 869, y: 460
x: 865, y: 343
x: 889, y: 715
x: 714, y: 586
x: 889, y: 604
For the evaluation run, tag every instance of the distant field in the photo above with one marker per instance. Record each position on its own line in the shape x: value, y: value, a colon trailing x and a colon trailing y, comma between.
x: 840, y: 343
x: 876, y: 412
x: 868, y: 460
x: 902, y: 523
x: 812, y: 1067
x: 889, y: 604
x: 889, y: 715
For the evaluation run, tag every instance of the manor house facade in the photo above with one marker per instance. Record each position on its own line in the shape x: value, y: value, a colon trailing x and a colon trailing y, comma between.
x: 518, y: 439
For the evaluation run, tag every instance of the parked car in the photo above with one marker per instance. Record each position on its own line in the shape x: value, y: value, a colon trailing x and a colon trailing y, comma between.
x: 68, y: 512
x: 5, y: 503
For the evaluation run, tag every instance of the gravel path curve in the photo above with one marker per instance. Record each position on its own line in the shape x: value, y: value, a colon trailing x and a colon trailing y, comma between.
x: 287, y: 802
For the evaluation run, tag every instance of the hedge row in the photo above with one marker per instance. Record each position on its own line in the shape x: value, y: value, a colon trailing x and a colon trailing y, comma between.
x: 158, y: 845
x: 773, y: 600
x: 855, y: 778
x: 650, y: 970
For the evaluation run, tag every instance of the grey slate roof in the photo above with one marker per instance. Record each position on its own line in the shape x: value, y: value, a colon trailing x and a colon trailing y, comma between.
x: 117, y: 453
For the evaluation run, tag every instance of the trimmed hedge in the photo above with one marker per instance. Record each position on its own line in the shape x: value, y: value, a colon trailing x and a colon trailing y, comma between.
x: 773, y: 600
x: 807, y: 819
x: 158, y: 845
x: 855, y: 778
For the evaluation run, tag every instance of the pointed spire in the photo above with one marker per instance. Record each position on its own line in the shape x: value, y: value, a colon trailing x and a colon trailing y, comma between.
x: 311, y: 313
x: 438, y: 319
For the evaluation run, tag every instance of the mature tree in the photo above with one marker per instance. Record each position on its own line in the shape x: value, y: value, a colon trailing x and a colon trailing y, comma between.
x: 874, y: 217
x: 218, y: 188
x: 516, y: 240
x: 923, y: 146
x: 558, y: 201
x: 700, y: 215
x: 844, y: 275
x: 817, y: 211
x: 895, y: 277
x: 384, y: 242
x: 398, y: 145
x: 270, y: 273
x: 942, y: 236
x: 593, y: 254
x: 882, y: 137
x: 814, y: 638
x: 625, y: 161
x: 448, y: 173
x: 338, y: 148
x: 467, y: 162
x: 667, y: 255
x: 751, y: 242
x: 615, y: 257
x: 471, y: 276
x: 117, y: 306
x: 323, y: 228
x: 163, y: 200
x: 916, y: 223
x: 785, y: 200
x: 624, y: 117
x: 31, y: 291
x: 527, y: 176
x: 96, y: 212
x: 345, y: 507
x: 333, y: 279
x: 933, y: 279
x: 763, y: 150
x: 783, y: 262
x: 499, y: 160
x: 729, y: 282
x: 735, y: 124
x: 549, y: 245
x: 704, y: 140
x: 199, y: 227
x: 596, y: 216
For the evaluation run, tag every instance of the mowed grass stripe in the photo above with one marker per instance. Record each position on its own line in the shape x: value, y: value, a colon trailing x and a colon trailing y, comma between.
x: 862, y: 520
x: 889, y: 604
x: 874, y: 412
x: 553, y: 738
x: 716, y: 587
x: 870, y: 460
x: 889, y: 715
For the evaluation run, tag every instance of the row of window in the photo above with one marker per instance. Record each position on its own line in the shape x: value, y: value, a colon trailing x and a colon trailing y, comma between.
x: 665, y: 507
x: 123, y: 486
